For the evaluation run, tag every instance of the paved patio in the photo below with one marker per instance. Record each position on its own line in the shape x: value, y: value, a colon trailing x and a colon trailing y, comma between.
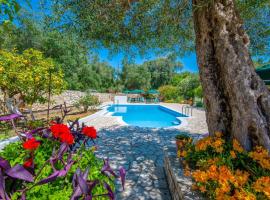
x: 141, y: 152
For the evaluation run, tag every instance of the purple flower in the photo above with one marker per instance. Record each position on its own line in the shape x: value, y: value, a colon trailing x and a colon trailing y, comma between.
x: 10, y: 117
x: 107, y: 168
x: 122, y: 173
x: 19, y: 172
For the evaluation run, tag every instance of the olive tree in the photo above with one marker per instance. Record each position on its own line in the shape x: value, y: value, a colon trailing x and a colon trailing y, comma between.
x: 237, y: 101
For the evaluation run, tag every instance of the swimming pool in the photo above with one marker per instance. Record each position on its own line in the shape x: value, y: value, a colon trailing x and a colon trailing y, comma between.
x: 152, y: 116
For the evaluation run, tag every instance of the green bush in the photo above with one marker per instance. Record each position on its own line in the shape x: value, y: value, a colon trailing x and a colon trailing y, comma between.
x: 199, y: 104
x: 87, y: 102
x: 33, y: 124
x: 168, y: 93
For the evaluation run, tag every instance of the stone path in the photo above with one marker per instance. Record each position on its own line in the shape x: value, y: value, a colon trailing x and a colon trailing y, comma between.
x: 140, y: 151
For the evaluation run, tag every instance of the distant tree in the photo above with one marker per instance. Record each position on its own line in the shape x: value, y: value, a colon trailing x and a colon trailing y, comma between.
x: 198, y: 92
x: 187, y: 83
x: 168, y: 93
x: 162, y: 70
x: 136, y: 77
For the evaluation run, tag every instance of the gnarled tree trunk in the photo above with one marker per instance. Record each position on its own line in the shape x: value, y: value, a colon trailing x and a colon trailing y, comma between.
x: 237, y: 101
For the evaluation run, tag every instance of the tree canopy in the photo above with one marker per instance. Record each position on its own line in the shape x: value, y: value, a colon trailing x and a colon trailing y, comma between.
x: 157, y: 25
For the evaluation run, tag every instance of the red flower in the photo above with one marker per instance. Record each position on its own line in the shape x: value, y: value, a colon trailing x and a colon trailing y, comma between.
x: 67, y: 138
x: 28, y: 163
x: 90, y: 132
x: 31, y: 144
x: 62, y: 132
x: 59, y: 129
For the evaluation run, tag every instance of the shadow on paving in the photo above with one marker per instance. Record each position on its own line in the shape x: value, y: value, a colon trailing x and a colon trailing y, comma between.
x: 140, y: 151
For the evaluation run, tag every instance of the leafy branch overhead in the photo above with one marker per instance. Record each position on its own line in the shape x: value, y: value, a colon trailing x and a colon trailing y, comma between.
x: 148, y: 25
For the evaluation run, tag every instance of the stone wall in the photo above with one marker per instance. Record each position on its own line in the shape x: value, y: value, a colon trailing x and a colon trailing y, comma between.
x: 70, y: 97
x: 179, y: 185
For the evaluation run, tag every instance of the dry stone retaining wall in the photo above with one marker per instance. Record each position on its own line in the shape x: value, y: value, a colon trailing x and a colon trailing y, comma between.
x: 70, y: 97
x: 180, y: 186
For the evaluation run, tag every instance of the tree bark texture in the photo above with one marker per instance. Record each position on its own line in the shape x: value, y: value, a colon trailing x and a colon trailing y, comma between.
x: 236, y: 99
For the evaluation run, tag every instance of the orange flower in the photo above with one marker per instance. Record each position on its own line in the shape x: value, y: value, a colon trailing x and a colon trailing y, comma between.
x: 212, y: 172
x: 243, y: 195
x: 263, y: 185
x: 237, y: 147
x: 261, y: 156
x: 225, y: 174
x: 217, y: 145
x: 213, y: 161
x: 200, y: 176
x: 202, y: 189
x: 183, y: 154
x: 240, y: 178
x: 233, y: 155
x: 202, y: 144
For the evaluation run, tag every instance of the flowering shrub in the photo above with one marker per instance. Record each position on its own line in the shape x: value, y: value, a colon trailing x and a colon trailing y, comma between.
x: 224, y: 170
x: 56, y: 162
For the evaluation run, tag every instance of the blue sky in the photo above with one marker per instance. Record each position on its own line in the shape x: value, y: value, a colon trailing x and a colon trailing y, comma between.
x: 189, y: 62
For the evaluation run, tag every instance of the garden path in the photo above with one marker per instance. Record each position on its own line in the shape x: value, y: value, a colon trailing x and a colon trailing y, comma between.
x: 141, y: 152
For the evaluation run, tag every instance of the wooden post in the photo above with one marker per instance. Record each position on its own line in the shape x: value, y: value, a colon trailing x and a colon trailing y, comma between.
x: 49, y: 96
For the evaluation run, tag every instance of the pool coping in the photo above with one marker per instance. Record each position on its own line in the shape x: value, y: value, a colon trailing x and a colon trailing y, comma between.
x: 119, y: 119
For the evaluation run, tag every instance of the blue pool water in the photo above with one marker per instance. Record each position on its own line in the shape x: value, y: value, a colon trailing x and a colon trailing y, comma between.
x: 152, y: 116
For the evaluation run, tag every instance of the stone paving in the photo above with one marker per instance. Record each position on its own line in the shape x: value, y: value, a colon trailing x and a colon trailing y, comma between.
x: 141, y: 152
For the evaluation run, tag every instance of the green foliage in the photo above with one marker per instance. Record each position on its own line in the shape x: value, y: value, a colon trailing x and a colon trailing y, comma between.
x: 256, y: 22
x: 5, y: 130
x: 198, y: 92
x: 155, y: 73
x: 199, y: 104
x: 168, y: 93
x: 122, y: 24
x: 34, y: 124
x: 62, y: 187
x: 136, y: 77
x: 182, y: 137
x: 88, y: 102
x: 29, y: 74
x: 9, y: 8
x: 82, y: 71
x: 188, y: 85
x: 148, y: 25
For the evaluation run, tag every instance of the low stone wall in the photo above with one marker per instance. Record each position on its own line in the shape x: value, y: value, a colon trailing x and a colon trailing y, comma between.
x: 179, y: 185
x: 70, y: 97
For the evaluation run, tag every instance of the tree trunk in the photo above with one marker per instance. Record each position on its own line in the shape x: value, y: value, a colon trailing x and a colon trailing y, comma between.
x: 236, y: 99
